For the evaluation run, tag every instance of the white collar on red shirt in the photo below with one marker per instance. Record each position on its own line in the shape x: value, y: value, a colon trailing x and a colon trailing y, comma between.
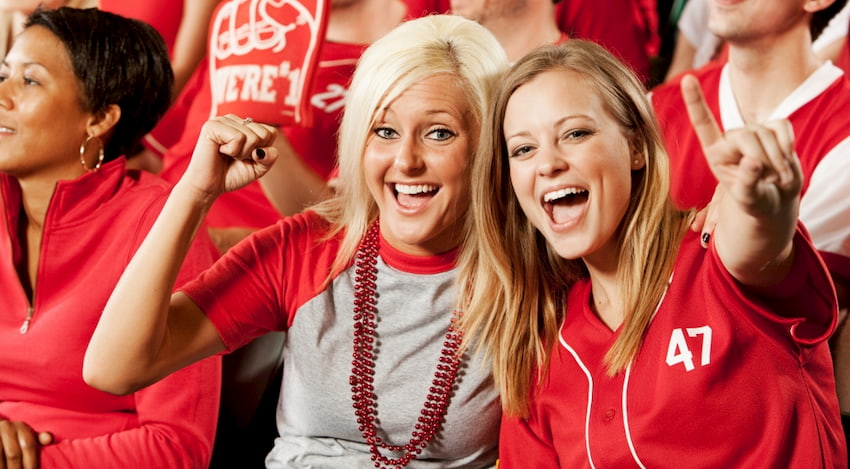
x: 815, y: 84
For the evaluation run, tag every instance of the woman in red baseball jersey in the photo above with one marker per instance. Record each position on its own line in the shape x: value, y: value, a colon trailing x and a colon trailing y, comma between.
x: 616, y: 339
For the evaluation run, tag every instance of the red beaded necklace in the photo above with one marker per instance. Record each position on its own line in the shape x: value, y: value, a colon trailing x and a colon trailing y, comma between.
x: 363, y: 367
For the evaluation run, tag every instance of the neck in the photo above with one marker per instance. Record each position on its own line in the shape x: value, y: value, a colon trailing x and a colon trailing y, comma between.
x: 35, y: 198
x: 763, y: 74
x: 606, y: 298
x: 521, y: 33
x: 363, y: 21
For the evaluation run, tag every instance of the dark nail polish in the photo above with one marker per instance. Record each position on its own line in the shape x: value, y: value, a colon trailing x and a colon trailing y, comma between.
x: 260, y: 153
x: 705, y: 238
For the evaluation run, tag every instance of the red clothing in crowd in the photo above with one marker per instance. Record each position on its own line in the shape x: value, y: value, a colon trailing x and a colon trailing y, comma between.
x: 93, y: 226
x: 627, y: 28
x: 817, y: 110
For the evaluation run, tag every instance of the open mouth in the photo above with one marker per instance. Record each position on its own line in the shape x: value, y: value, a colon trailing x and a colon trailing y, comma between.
x: 412, y: 196
x: 565, y: 205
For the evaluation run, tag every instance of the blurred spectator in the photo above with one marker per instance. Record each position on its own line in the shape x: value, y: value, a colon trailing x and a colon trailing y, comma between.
x: 627, y: 28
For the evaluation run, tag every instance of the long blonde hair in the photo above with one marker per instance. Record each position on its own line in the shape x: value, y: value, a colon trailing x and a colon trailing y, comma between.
x: 410, y: 53
x: 516, y: 284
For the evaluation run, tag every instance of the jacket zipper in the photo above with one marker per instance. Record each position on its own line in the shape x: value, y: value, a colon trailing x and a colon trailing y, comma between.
x: 26, y: 325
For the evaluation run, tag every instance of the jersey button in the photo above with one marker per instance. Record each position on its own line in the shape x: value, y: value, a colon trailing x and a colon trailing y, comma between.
x: 609, y: 415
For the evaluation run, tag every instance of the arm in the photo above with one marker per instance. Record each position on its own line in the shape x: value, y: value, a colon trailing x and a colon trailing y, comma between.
x: 761, y: 177
x: 176, y: 426
x: 290, y: 185
x: 190, y: 44
x: 145, y: 333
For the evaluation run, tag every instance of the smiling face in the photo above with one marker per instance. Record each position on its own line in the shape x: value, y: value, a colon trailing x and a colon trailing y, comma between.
x: 42, y: 120
x: 570, y: 164
x: 416, y: 162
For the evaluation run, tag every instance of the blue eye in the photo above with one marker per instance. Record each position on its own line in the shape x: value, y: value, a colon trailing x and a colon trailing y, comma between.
x: 386, y: 133
x: 441, y: 134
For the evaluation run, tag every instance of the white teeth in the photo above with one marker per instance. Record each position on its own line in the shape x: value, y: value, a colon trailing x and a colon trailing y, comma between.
x: 561, y: 193
x: 412, y: 189
x: 5, y: 130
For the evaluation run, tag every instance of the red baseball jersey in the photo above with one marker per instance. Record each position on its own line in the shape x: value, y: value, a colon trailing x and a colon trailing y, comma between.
x: 727, y: 377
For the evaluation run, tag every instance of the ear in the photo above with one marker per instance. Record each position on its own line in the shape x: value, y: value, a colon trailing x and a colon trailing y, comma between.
x: 102, y: 122
x: 638, y: 154
x: 638, y: 161
x: 812, y: 6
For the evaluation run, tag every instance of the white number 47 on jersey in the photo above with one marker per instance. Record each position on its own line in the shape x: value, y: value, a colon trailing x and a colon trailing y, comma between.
x: 678, y: 351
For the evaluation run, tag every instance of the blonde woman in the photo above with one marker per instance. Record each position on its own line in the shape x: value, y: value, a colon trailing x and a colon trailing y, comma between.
x: 362, y: 285
x: 616, y: 339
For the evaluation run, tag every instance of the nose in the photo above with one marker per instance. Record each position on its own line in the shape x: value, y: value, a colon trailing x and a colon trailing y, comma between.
x: 550, y: 161
x: 408, y: 159
x: 5, y: 94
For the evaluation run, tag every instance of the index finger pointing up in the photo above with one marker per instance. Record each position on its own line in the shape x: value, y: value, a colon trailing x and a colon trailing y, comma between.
x: 700, y: 115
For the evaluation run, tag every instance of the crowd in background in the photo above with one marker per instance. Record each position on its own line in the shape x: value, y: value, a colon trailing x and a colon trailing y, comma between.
x: 173, y: 193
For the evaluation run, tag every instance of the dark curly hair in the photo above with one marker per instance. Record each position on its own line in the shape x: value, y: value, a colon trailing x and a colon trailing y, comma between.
x: 119, y: 61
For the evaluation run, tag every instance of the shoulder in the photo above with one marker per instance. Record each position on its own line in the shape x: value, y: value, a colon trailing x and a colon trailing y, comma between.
x: 708, y: 77
x: 142, y: 185
x: 305, y: 227
x: 303, y: 239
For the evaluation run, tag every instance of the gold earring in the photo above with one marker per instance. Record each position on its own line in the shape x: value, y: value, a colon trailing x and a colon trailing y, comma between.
x: 83, y: 154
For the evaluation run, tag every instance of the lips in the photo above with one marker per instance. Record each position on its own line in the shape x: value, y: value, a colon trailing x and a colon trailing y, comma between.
x: 413, y: 196
x: 565, y: 205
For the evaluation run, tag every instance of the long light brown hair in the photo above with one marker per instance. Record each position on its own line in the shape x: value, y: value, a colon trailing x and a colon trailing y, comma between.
x: 516, y: 284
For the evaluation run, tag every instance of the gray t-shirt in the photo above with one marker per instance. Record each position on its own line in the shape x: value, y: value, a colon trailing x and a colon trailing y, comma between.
x: 275, y: 284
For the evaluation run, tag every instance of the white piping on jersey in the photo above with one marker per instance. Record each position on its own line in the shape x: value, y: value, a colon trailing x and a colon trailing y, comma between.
x: 589, y: 397
x: 624, y: 393
x: 625, y: 412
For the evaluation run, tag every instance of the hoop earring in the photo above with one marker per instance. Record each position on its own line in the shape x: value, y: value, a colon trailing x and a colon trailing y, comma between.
x: 83, y: 154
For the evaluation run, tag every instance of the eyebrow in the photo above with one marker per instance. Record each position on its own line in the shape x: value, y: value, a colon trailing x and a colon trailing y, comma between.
x: 428, y: 111
x: 558, y: 122
x: 24, y: 64
x: 385, y: 111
